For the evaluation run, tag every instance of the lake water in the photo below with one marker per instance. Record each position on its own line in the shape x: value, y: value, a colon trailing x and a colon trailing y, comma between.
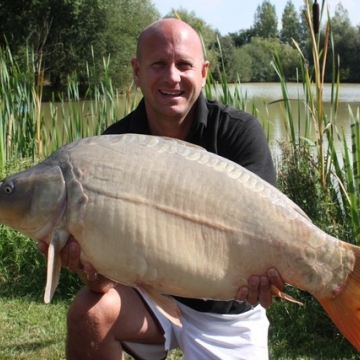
x: 272, y: 114
x: 349, y: 97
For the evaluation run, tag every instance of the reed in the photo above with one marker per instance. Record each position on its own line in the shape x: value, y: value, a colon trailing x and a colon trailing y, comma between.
x: 338, y: 174
x: 25, y: 129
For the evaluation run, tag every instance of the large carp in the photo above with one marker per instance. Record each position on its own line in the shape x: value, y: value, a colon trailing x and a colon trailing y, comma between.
x: 170, y: 218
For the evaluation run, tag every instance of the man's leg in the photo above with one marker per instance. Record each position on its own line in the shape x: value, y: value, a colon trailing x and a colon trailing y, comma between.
x: 97, y: 323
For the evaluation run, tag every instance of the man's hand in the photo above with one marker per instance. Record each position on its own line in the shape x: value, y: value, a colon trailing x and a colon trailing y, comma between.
x: 70, y: 259
x: 258, y: 289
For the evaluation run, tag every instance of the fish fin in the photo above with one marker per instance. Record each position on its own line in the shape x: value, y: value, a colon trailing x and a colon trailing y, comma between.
x: 183, y: 142
x: 344, y: 308
x: 166, y: 305
x: 276, y: 292
x: 57, y: 242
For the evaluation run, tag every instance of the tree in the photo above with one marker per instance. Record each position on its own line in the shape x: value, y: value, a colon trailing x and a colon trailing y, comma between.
x: 242, y: 37
x: 242, y: 65
x: 125, y: 19
x: 290, y: 24
x: 261, y: 52
x: 265, y: 21
x: 346, y: 45
x: 304, y: 40
x: 224, y: 48
x: 66, y: 35
x: 290, y: 62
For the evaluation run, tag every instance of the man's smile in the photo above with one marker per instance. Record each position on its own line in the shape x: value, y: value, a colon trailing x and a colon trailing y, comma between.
x: 171, y: 93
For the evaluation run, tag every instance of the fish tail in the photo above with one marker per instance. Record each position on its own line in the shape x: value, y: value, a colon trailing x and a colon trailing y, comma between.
x: 344, y: 308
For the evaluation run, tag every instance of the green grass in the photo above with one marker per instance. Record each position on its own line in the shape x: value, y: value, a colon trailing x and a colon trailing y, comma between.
x: 30, y: 329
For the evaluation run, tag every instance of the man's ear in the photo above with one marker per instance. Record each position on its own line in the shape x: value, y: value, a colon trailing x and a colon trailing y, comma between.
x: 204, y: 70
x: 135, y: 68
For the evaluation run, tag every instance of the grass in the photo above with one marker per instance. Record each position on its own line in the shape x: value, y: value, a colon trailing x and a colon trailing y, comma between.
x: 31, y: 330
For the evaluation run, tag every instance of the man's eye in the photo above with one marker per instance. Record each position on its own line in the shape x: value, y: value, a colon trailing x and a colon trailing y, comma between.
x: 158, y: 64
x: 184, y: 65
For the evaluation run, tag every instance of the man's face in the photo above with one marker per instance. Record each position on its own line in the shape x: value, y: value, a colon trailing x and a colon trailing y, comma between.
x: 170, y: 71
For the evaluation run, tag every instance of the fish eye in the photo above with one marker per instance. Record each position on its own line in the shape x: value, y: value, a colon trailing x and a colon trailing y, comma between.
x: 8, y: 188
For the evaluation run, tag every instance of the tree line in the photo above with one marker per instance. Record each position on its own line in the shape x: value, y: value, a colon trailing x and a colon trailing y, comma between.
x: 67, y: 37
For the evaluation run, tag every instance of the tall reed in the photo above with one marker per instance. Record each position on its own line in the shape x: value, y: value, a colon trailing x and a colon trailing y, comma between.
x: 338, y: 174
x: 27, y: 131
x: 18, y: 107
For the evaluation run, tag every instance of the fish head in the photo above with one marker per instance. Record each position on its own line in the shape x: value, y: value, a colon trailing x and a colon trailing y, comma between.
x: 33, y: 201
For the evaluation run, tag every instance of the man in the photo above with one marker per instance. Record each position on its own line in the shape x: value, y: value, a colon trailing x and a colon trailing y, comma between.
x: 107, y: 318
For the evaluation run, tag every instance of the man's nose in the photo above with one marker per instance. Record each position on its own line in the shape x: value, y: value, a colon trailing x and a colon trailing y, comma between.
x: 173, y: 73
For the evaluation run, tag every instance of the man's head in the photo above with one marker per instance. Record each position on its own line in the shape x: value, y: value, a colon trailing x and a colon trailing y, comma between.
x: 170, y: 69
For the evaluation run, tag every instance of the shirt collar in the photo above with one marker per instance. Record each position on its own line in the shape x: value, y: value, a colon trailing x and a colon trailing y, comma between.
x: 139, y: 121
x: 201, y: 110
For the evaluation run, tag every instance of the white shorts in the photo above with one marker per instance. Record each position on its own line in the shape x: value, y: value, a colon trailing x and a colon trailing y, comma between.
x: 206, y: 336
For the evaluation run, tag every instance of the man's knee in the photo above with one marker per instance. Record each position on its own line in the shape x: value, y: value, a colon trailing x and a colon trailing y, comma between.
x: 92, y: 309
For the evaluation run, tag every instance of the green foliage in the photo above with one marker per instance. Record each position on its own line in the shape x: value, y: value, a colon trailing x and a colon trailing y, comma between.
x: 125, y: 19
x: 337, y: 178
x: 290, y: 24
x: 241, y: 66
x: 64, y: 35
x: 347, y: 43
x: 260, y: 51
x: 265, y: 21
x: 19, y: 100
x: 305, y: 332
x: 326, y: 188
x: 67, y: 37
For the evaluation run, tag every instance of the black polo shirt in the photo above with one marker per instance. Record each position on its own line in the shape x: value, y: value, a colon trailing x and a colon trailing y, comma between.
x: 228, y: 132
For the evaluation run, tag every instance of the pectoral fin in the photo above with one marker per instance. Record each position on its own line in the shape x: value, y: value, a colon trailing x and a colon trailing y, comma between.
x: 57, y: 242
x: 275, y: 291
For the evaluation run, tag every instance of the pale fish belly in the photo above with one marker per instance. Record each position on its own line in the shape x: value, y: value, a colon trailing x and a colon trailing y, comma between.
x: 192, y: 224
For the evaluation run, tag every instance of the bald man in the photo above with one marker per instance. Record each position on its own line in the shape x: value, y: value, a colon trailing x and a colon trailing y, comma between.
x: 106, y: 318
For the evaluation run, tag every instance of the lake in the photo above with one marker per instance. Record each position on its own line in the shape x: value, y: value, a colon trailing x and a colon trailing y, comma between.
x: 271, y: 115
x: 265, y: 93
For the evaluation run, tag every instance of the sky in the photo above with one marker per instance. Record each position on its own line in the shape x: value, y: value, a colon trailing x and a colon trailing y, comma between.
x: 234, y: 15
